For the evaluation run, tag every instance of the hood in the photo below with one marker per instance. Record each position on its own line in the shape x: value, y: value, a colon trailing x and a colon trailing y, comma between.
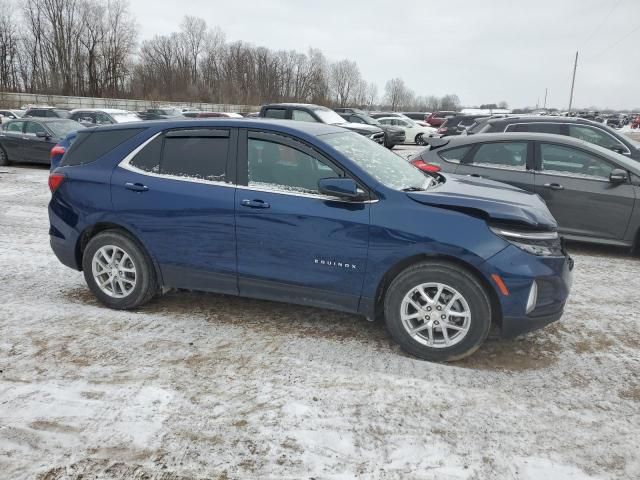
x: 360, y: 127
x: 497, y: 201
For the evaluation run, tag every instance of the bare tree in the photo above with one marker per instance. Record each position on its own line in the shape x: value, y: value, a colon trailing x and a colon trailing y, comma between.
x: 344, y: 78
x: 9, y: 47
x: 397, y: 94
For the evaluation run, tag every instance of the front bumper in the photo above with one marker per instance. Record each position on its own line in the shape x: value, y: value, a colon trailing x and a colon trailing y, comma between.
x: 395, y: 138
x: 518, y: 270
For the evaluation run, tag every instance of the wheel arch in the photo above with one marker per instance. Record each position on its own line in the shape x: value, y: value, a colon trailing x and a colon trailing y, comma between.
x: 396, y: 269
x: 93, y: 230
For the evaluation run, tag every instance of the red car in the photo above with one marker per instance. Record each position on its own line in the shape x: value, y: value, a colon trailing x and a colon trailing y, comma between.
x: 437, y: 118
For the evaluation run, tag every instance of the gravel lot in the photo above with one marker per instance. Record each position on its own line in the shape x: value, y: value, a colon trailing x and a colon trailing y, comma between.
x: 210, y: 386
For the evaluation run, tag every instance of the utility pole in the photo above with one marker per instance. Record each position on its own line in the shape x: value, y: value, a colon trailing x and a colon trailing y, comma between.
x: 546, y: 90
x: 573, y: 82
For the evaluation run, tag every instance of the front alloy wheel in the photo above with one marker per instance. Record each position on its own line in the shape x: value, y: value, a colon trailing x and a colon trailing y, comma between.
x: 437, y: 311
x: 435, y: 315
x: 420, y: 139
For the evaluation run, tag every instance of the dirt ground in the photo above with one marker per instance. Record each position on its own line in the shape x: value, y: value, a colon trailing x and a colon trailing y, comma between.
x: 203, y: 386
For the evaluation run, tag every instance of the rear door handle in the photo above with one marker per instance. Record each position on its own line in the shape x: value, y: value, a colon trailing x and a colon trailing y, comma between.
x: 136, y: 187
x: 254, y: 203
x: 553, y: 186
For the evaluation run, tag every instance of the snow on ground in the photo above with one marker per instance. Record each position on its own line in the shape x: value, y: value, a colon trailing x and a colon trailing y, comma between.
x: 209, y: 386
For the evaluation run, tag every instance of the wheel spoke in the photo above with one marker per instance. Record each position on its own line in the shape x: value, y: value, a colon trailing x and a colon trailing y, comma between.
x: 445, y: 336
x: 128, y: 280
x: 420, y: 328
x: 453, y: 326
x: 414, y: 305
x: 455, y: 297
x: 411, y: 316
x: 121, y: 285
x: 436, y: 297
x: 103, y: 284
x: 453, y: 313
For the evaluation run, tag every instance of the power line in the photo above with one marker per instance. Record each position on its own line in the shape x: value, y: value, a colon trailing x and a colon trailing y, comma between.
x: 617, y: 42
x: 601, y: 24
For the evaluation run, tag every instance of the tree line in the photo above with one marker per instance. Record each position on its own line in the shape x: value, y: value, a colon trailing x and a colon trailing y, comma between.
x: 91, y: 48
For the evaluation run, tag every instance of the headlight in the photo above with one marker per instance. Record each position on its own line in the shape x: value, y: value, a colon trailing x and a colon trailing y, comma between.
x: 536, y: 243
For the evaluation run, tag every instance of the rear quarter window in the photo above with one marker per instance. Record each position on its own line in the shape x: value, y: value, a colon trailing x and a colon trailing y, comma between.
x: 90, y: 146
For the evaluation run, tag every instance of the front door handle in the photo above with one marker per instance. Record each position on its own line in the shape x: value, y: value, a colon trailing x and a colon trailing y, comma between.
x: 553, y: 186
x: 475, y: 175
x: 254, y: 203
x: 136, y: 187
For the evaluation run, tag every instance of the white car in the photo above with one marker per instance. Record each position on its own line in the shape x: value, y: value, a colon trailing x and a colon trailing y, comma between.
x: 414, y: 133
x: 102, y: 116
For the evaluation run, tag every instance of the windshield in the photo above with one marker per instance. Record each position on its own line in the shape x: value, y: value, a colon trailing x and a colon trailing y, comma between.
x: 329, y: 116
x: 125, y: 117
x: 64, y: 127
x: 388, y: 168
x: 369, y: 120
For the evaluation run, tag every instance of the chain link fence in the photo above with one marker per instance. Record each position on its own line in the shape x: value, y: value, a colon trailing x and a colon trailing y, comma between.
x: 21, y: 100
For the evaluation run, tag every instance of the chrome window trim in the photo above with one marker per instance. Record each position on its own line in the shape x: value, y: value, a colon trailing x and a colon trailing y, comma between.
x: 551, y: 173
x: 569, y: 124
x: 300, y: 194
x: 125, y: 163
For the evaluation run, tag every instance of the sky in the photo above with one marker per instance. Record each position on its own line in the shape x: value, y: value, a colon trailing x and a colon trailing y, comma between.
x: 483, y: 51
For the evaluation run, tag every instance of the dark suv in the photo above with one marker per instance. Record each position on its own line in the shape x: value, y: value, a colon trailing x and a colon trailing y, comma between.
x: 580, y: 128
x: 307, y: 112
x: 392, y: 135
x: 47, y: 112
x: 457, y: 124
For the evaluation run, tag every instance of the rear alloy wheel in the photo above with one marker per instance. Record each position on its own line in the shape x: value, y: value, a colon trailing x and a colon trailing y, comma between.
x: 118, y: 271
x: 437, y: 311
x: 420, y: 140
x: 4, y: 158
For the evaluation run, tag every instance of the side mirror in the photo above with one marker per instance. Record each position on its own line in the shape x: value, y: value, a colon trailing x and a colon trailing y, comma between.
x: 42, y: 134
x: 339, y: 187
x: 618, y: 176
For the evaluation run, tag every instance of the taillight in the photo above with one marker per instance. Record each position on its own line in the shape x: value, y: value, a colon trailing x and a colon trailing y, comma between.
x: 426, y: 167
x: 55, y: 180
x: 57, y: 150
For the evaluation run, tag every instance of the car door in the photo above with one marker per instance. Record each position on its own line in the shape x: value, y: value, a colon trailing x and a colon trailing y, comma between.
x: 409, y: 131
x: 36, y: 148
x: 575, y: 185
x: 504, y: 161
x: 12, y: 139
x: 177, y: 193
x: 295, y: 244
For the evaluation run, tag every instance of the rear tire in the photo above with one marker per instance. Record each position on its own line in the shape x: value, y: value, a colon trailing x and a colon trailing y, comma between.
x: 417, y: 302
x: 118, y: 271
x: 4, y: 158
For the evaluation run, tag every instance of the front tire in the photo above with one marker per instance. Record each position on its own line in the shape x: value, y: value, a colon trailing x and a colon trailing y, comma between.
x: 437, y: 311
x: 420, y: 140
x: 4, y: 158
x: 118, y: 271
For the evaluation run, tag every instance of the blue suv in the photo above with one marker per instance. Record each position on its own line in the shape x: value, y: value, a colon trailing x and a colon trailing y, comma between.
x: 311, y: 214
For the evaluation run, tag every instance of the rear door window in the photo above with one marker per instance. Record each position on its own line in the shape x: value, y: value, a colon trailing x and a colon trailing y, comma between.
x: 504, y: 155
x: 275, y: 113
x: 553, y: 128
x: 302, y: 116
x: 91, y: 145
x: 200, y: 154
x: 14, y: 127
